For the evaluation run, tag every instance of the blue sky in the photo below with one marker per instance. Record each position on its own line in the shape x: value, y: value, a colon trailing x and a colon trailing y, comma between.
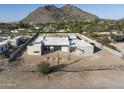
x: 16, y: 12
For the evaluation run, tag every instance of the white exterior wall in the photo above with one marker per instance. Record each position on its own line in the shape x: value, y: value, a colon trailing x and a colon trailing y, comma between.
x: 85, y: 50
x: 65, y: 48
x: 4, y: 47
x: 15, y: 41
x: 34, y: 50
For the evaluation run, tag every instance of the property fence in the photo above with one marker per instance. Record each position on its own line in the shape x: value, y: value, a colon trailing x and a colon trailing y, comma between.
x: 19, y: 51
x: 120, y: 54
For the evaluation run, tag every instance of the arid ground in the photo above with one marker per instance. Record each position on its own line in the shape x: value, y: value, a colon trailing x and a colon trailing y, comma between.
x: 84, y: 79
x: 99, y: 70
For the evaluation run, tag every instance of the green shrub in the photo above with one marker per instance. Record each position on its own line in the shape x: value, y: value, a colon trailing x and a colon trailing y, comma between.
x: 44, y: 67
x: 117, y: 38
x: 104, y: 40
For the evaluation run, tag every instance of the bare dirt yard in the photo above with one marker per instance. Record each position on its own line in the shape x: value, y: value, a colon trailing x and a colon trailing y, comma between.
x: 101, y: 57
x: 84, y: 79
x: 78, y: 73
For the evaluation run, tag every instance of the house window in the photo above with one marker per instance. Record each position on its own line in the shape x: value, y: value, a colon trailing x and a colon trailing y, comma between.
x: 6, y: 46
x: 47, y: 48
x: 1, y: 48
x: 56, y: 48
x: 36, y: 51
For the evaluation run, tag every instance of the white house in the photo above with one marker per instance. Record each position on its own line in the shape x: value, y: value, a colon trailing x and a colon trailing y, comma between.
x: 15, y: 41
x: 48, y: 44
x: 37, y: 28
x: 3, y: 38
x: 56, y: 43
x: 4, y: 30
x: 14, y: 31
x: 21, y: 29
x: 68, y: 43
x: 4, y: 46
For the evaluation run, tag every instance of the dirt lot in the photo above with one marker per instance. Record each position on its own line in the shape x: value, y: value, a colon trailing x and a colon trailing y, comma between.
x: 22, y: 76
x: 84, y: 79
x: 101, y: 57
x: 101, y: 71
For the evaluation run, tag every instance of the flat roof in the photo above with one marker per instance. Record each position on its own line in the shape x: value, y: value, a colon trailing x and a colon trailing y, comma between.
x: 72, y: 36
x: 82, y: 43
x: 4, y: 42
x: 56, y: 41
x: 39, y: 39
x: 59, y: 41
x: 17, y: 37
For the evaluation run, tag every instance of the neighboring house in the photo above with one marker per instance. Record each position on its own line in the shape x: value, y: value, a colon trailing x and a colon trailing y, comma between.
x: 37, y: 28
x: 3, y: 46
x: 21, y: 29
x: 61, y: 31
x: 14, y: 31
x: 15, y: 41
x: 4, y: 30
x: 3, y: 38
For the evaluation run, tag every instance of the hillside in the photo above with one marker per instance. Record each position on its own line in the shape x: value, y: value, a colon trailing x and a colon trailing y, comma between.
x: 53, y: 14
x: 77, y: 14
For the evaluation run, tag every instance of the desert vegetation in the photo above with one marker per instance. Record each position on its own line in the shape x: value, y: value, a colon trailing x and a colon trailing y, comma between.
x: 44, y: 67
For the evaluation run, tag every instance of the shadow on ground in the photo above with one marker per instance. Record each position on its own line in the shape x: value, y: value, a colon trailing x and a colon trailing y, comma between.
x: 60, y: 67
x: 96, y: 49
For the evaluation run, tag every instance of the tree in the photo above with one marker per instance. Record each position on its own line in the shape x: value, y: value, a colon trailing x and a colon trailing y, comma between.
x: 105, y: 40
x: 23, y: 25
x: 44, y: 68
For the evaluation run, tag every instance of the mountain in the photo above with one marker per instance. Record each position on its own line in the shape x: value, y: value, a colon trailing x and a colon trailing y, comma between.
x: 52, y: 14
x: 76, y: 13
x: 44, y: 15
x: 122, y: 19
